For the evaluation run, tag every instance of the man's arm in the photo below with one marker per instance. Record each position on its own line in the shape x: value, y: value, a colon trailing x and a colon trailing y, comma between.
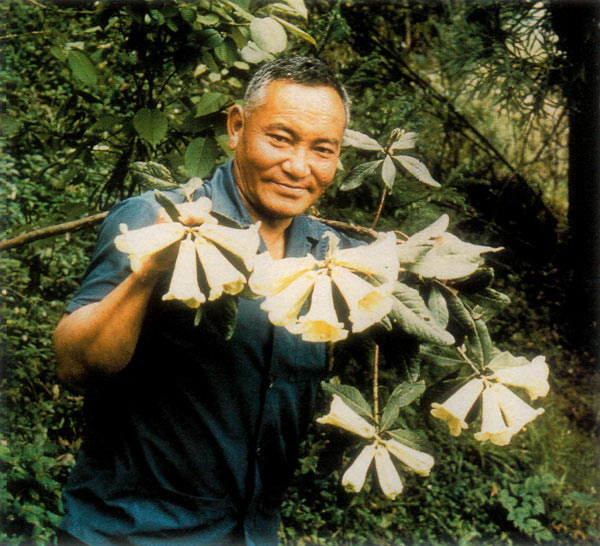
x: 99, y: 338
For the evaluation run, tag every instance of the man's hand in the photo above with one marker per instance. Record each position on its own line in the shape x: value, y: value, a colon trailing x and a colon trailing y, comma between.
x: 190, y: 214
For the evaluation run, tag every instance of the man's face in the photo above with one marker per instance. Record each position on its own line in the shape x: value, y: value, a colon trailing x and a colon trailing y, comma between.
x: 286, y: 148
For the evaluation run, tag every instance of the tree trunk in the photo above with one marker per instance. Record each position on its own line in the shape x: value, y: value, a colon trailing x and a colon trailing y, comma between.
x: 576, y: 24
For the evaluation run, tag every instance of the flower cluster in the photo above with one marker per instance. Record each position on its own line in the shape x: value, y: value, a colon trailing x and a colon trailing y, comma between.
x: 341, y: 415
x: 207, y: 244
x: 363, y: 275
x: 503, y: 413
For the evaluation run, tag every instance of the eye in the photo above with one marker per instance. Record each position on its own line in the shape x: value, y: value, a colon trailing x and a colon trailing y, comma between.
x: 279, y: 138
x: 324, y: 151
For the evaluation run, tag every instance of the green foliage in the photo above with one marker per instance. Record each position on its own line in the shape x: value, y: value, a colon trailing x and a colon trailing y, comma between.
x: 101, y: 100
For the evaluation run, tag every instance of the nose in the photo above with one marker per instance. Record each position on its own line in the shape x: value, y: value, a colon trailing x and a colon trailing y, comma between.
x: 296, y: 164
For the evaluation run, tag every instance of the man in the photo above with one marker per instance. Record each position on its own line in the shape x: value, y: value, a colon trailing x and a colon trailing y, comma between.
x: 191, y: 439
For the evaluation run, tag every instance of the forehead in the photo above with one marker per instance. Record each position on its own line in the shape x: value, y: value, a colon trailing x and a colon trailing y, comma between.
x: 303, y: 103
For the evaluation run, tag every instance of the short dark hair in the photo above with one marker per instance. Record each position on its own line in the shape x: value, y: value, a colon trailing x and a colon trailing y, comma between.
x: 296, y: 69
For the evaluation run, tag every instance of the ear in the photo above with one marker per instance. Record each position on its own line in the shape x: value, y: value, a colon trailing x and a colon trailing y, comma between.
x: 235, y: 126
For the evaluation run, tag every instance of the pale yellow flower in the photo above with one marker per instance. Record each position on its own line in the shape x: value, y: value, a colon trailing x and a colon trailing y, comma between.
x: 340, y: 415
x: 532, y: 377
x: 517, y: 412
x: 142, y: 243
x: 455, y: 409
x: 272, y: 276
x: 367, y: 304
x: 283, y: 308
x: 221, y: 275
x: 184, y: 282
x: 354, y: 478
x: 493, y: 427
x: 241, y: 242
x: 378, y: 259
x: 416, y: 460
x: 388, y: 476
x: 321, y: 322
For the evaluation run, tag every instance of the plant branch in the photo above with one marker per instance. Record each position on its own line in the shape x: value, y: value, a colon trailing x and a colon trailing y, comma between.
x: 49, y: 231
x: 376, y: 384
x: 379, y: 208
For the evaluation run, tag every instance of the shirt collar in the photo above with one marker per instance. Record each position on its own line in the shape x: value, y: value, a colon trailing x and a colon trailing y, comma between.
x: 302, y: 235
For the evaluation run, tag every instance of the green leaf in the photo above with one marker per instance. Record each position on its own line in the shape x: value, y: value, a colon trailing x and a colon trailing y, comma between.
x: 198, y: 316
x: 358, y: 175
x: 151, y: 125
x: 406, y: 437
x: 438, y: 306
x: 459, y: 312
x: 83, y: 69
x: 210, y: 103
x: 351, y: 396
x: 490, y: 300
x: 227, y: 52
x: 360, y: 140
x: 200, y: 156
x: 253, y: 54
x: 211, y: 38
x: 167, y: 204
x: 296, y: 30
x: 268, y: 34
x: 222, y: 314
x: 411, y: 314
x: 59, y: 53
x: 388, y: 172
x: 487, y: 347
x: 403, y: 394
x: 417, y: 169
x: 225, y: 220
x: 152, y: 175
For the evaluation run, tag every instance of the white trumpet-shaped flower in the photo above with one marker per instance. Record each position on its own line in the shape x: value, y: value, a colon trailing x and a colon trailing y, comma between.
x: 283, y: 308
x: 321, y: 322
x: 378, y: 259
x: 388, y: 476
x: 241, y: 242
x: 493, y: 427
x: 455, y: 409
x: 367, y: 304
x: 354, y: 478
x: 184, y: 282
x: 272, y: 276
x: 532, y: 377
x: 416, y: 460
x: 142, y: 243
x: 517, y: 412
x: 340, y: 415
x: 221, y: 275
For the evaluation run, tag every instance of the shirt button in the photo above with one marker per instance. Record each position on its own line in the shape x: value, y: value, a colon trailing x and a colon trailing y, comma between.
x: 258, y: 451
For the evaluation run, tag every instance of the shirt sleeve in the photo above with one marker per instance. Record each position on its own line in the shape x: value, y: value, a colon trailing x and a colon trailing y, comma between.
x: 109, y: 266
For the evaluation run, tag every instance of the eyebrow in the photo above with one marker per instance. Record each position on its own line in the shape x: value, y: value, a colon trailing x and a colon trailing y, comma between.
x: 281, y: 127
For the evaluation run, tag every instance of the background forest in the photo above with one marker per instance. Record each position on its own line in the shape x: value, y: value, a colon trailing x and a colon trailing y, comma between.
x: 504, y: 98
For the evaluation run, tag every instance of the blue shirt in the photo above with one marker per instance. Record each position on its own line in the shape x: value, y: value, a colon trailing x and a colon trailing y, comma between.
x: 197, y: 438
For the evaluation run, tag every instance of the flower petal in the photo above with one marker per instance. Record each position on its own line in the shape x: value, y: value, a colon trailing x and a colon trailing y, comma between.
x: 493, y: 427
x: 283, y: 308
x: 532, y: 377
x: 367, y: 304
x: 418, y: 461
x: 517, y: 412
x: 220, y: 273
x: 388, y: 476
x: 378, y: 259
x: 241, y: 242
x: 271, y: 276
x: 142, y: 243
x: 455, y: 409
x: 320, y: 323
x: 354, y: 478
x: 184, y: 282
x: 340, y: 415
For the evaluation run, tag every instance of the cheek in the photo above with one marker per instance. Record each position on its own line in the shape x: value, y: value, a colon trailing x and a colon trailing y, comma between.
x: 324, y: 174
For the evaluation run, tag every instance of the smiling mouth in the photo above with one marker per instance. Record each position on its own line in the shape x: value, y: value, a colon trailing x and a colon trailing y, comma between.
x: 288, y: 188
